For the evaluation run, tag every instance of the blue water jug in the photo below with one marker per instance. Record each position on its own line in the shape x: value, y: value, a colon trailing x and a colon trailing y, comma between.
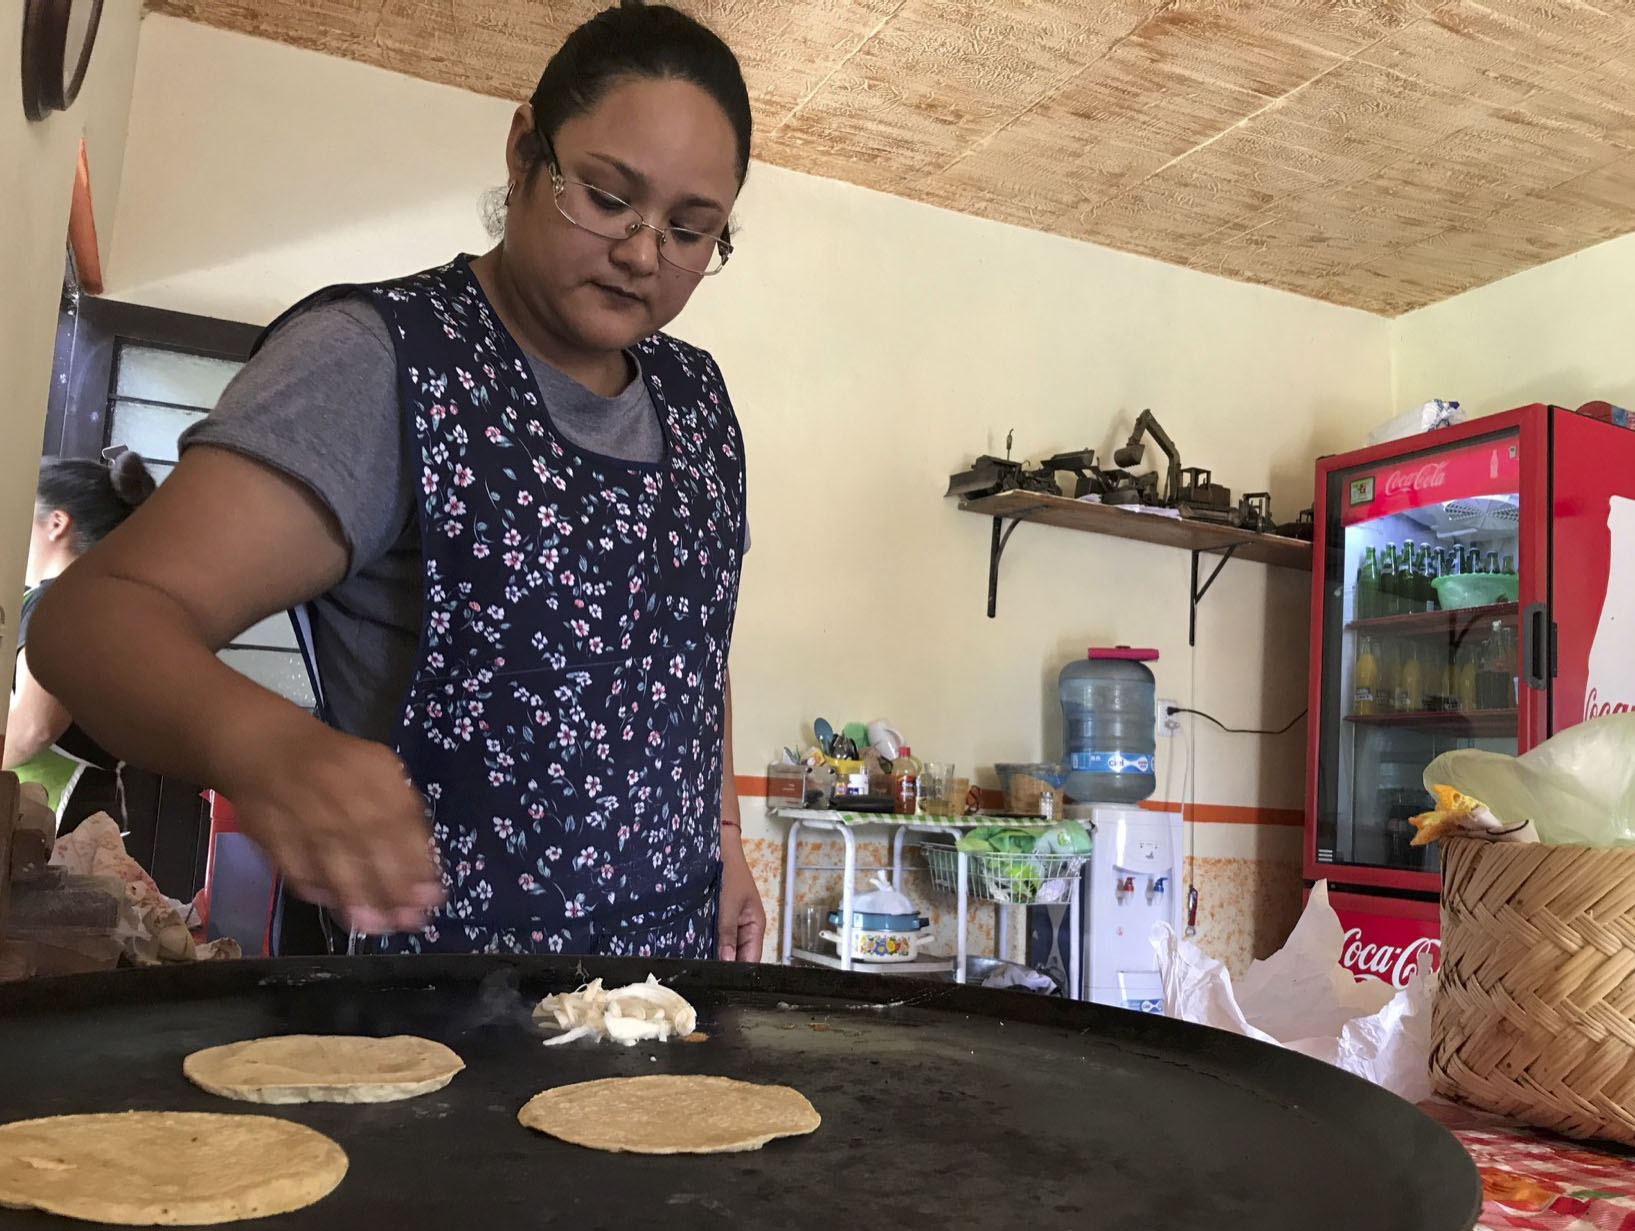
x: 1107, y: 720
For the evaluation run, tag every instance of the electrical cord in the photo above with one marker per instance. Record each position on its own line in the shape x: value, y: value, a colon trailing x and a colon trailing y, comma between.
x: 1171, y: 710
x: 1189, y: 791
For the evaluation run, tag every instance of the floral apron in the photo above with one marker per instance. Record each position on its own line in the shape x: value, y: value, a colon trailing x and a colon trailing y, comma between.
x: 564, y: 719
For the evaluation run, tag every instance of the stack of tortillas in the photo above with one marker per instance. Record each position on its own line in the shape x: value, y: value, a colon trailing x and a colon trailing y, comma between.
x: 170, y: 1168
x: 324, y: 1068
x: 670, y: 1114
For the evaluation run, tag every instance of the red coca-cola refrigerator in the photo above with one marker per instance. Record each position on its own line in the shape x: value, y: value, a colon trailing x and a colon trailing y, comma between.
x: 1503, y: 626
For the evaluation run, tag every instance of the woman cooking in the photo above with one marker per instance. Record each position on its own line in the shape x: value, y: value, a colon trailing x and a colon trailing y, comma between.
x: 514, y: 511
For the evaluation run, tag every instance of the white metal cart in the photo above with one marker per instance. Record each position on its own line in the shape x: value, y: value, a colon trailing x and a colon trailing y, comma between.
x: 965, y: 887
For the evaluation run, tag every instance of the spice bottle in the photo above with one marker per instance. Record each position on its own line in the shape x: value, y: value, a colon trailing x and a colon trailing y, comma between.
x: 905, y: 783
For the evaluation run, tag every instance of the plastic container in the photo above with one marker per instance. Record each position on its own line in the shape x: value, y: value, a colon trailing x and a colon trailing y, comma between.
x: 1108, y: 726
x: 1033, y: 789
x: 905, y: 783
x: 786, y: 786
x: 1042, y: 770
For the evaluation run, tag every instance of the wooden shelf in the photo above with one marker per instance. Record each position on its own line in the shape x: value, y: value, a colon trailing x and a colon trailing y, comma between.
x: 1426, y: 623
x: 1468, y: 722
x: 1143, y: 527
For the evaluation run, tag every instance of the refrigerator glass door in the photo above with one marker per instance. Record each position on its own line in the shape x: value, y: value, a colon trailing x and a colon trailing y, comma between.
x: 1420, y: 641
x: 1592, y: 572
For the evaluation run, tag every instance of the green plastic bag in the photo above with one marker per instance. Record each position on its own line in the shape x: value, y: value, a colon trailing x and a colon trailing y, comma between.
x: 1576, y: 787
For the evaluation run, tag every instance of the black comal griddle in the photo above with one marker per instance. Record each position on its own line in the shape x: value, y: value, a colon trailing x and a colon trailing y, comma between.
x: 942, y: 1106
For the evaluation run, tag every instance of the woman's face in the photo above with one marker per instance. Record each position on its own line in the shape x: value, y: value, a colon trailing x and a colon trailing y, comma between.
x: 664, y: 147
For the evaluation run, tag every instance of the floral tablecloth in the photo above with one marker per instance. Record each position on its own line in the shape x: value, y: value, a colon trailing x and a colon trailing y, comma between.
x: 1532, y: 1181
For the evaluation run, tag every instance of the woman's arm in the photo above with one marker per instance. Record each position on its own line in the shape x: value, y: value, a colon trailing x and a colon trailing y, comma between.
x: 34, y: 721
x: 742, y: 920
x: 127, y: 638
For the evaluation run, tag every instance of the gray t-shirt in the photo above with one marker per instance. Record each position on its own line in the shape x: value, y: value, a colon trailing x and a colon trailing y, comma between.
x: 319, y: 402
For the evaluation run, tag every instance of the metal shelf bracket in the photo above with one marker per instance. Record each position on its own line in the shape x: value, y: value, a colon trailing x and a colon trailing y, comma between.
x: 1001, y: 536
x: 1197, y: 592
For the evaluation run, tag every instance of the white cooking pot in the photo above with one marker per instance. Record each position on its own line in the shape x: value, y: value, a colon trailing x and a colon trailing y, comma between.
x: 879, y: 946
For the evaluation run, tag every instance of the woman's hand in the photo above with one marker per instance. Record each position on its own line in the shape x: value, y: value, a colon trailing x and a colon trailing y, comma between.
x: 339, y: 819
x: 742, y: 919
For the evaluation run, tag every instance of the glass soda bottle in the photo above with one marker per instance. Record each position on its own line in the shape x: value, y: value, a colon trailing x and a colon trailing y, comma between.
x: 1367, y: 601
x: 1465, y: 663
x: 1412, y: 689
x: 1385, y: 696
x: 1367, y: 678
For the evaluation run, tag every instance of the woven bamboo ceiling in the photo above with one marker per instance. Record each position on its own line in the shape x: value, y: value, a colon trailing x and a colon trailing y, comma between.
x: 1379, y: 153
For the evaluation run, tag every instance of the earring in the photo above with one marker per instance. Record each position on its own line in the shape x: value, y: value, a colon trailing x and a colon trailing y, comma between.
x: 510, y: 191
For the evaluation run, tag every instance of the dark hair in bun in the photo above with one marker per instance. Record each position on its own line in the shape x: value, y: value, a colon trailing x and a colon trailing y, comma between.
x: 132, y: 481
x: 639, y: 40
x: 96, y: 497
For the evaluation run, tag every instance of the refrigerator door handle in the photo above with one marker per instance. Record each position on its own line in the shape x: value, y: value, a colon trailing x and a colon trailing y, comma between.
x: 1538, y: 657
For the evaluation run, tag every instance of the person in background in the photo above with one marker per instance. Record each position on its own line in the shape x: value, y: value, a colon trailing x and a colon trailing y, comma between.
x: 77, y: 503
x: 514, y: 512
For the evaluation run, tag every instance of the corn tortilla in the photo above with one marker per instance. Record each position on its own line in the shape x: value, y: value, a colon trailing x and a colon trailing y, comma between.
x: 165, y: 1168
x: 323, y: 1068
x: 665, y: 1114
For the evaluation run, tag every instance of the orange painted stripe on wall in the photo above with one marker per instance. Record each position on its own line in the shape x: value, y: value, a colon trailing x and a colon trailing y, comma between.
x: 1229, y: 814
x: 753, y: 786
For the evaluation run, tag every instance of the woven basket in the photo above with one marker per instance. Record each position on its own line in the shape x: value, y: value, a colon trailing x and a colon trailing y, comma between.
x: 1535, y: 1009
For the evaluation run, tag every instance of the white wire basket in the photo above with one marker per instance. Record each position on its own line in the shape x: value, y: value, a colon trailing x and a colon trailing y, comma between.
x: 1010, y: 880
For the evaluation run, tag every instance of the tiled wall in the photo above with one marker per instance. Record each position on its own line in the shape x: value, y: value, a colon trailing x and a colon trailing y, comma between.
x: 1246, y: 907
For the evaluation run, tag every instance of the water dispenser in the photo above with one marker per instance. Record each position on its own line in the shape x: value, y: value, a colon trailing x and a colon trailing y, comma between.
x: 1108, y: 726
x: 1133, y: 881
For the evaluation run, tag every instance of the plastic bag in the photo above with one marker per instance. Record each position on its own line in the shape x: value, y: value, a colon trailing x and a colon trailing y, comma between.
x: 1020, y: 977
x: 1436, y: 413
x: 1303, y: 999
x: 1578, y: 786
x: 883, y: 899
x: 1068, y: 838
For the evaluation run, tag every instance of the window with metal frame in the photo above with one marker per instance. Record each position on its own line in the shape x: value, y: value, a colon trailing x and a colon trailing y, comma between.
x: 138, y: 377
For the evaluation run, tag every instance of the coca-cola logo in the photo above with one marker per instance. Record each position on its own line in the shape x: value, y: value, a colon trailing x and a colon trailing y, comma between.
x: 1393, y: 964
x: 1426, y: 477
x: 1594, y: 707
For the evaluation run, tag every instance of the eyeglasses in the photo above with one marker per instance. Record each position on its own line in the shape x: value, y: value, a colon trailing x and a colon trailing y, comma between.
x: 608, y: 216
